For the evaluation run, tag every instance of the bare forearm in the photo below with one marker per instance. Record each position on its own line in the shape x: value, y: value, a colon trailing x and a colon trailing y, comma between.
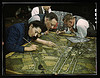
x: 41, y: 41
x: 48, y: 43
x: 62, y: 32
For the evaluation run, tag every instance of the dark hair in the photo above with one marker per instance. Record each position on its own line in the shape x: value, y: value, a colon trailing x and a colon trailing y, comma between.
x: 35, y: 24
x: 51, y: 16
x: 67, y: 17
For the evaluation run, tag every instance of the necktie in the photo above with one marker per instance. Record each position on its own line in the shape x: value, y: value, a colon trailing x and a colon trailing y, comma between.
x: 75, y: 29
x: 46, y: 12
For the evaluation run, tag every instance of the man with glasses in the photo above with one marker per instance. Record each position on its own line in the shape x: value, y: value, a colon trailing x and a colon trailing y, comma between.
x: 21, y: 33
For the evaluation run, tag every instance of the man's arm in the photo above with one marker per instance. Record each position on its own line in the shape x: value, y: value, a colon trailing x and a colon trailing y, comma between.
x: 60, y: 32
x: 82, y: 26
x: 48, y: 43
x: 35, y: 11
x: 50, y: 10
x: 12, y: 39
x: 63, y: 32
x: 82, y: 32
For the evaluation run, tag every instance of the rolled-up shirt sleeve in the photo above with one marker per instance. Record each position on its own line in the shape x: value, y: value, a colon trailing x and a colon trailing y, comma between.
x: 35, y: 11
x: 12, y: 41
x: 82, y: 26
x: 82, y: 32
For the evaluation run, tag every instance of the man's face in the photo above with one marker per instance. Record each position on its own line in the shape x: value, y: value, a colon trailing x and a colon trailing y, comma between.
x: 33, y: 31
x: 50, y: 23
x: 46, y: 7
x: 69, y: 23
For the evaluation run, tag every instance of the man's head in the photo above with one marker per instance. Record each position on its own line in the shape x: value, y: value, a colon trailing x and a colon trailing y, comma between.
x: 46, y: 7
x: 35, y: 28
x: 69, y: 20
x: 50, y: 20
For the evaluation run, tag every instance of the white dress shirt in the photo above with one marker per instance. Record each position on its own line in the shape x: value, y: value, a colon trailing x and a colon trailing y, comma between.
x: 35, y: 10
x: 82, y: 26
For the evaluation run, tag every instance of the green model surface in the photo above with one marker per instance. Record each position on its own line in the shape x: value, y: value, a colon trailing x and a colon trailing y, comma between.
x: 65, y: 58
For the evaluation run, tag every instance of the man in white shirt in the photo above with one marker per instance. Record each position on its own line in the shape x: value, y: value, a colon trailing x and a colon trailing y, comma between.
x: 41, y: 10
x: 79, y: 26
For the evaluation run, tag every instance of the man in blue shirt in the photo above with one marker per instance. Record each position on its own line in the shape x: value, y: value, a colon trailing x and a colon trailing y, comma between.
x: 18, y: 33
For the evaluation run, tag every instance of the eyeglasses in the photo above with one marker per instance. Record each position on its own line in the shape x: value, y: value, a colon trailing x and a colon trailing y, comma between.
x: 52, y: 25
x: 38, y: 34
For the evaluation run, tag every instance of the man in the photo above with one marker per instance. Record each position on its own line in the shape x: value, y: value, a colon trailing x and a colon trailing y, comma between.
x: 20, y: 33
x: 49, y: 20
x: 41, y: 10
x: 79, y: 26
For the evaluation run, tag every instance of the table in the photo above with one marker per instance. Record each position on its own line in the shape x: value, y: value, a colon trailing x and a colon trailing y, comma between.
x: 66, y: 58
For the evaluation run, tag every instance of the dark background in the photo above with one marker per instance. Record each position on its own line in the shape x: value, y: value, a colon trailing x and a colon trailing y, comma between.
x: 84, y: 9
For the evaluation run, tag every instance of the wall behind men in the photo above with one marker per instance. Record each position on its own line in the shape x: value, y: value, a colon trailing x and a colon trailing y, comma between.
x: 86, y: 10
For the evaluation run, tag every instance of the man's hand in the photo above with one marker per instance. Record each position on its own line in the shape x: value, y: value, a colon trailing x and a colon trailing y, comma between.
x: 49, y: 43
x: 31, y: 48
x: 71, y: 29
x: 58, y: 32
x: 46, y: 32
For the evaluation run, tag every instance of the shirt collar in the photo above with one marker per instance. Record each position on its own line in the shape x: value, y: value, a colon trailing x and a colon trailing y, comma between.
x: 43, y: 9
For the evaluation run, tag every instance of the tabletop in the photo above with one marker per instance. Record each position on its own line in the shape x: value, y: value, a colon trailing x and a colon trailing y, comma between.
x: 66, y: 58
